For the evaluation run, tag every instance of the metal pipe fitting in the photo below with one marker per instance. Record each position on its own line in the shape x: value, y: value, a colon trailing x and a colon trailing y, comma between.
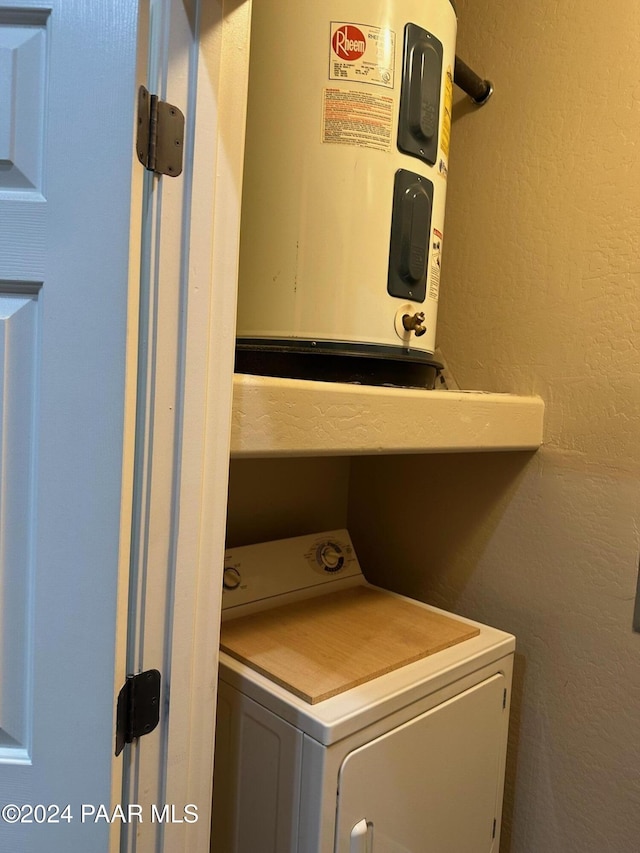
x: 479, y: 90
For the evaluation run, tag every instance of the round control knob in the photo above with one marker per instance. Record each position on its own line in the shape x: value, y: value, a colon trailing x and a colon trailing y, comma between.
x: 231, y: 578
x: 331, y: 557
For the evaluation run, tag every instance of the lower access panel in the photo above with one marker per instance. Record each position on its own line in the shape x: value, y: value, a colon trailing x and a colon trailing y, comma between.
x: 432, y: 784
x: 256, y: 778
x: 410, y: 235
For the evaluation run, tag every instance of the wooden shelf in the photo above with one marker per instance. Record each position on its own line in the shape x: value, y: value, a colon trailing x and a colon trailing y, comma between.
x: 291, y: 417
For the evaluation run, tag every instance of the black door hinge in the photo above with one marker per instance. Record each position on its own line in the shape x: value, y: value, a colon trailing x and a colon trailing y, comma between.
x: 160, y: 137
x: 138, y: 711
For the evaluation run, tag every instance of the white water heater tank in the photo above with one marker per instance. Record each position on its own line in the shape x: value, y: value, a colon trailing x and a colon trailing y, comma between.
x: 347, y: 151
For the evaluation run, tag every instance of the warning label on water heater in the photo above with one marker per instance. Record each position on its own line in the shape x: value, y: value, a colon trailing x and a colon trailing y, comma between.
x: 434, y: 272
x: 357, y: 118
x: 362, y: 54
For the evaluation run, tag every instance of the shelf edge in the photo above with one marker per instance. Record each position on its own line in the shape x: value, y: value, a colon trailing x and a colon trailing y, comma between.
x: 284, y: 417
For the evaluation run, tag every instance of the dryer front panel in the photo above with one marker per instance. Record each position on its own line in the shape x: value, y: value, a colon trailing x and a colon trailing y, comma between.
x: 256, y: 778
x: 432, y: 784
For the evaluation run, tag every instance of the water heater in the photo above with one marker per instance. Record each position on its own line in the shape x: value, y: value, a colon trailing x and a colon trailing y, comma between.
x: 347, y: 153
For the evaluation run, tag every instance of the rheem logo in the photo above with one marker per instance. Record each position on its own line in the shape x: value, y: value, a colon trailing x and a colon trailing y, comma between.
x: 348, y: 43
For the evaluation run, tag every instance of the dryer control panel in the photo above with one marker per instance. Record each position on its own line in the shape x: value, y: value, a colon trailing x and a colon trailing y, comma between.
x: 254, y: 573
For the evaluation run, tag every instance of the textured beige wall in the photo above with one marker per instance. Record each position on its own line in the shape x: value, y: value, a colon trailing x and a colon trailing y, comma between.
x: 542, y: 258
x: 540, y: 294
x: 278, y: 498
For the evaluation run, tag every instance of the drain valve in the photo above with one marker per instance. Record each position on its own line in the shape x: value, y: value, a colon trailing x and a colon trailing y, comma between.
x: 414, y: 323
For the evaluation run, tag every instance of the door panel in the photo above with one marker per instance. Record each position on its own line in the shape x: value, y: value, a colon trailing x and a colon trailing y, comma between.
x: 66, y: 118
x: 22, y: 75
x: 431, y: 785
x: 19, y: 322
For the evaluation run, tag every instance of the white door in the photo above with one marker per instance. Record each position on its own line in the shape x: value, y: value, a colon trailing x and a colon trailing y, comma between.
x: 433, y: 785
x: 66, y: 117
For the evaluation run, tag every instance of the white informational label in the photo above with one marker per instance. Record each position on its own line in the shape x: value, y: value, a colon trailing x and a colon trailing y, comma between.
x: 357, y: 118
x: 362, y: 54
x: 434, y: 272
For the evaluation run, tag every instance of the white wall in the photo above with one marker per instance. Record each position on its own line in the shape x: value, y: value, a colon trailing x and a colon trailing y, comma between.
x: 540, y: 294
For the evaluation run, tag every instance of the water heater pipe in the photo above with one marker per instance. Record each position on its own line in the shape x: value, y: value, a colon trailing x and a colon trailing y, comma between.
x: 479, y: 90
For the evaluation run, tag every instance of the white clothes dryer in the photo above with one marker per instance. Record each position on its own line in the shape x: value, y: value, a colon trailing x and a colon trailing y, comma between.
x: 410, y: 759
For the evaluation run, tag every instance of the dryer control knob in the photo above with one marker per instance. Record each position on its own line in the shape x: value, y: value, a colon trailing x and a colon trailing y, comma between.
x: 231, y: 578
x: 331, y: 557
